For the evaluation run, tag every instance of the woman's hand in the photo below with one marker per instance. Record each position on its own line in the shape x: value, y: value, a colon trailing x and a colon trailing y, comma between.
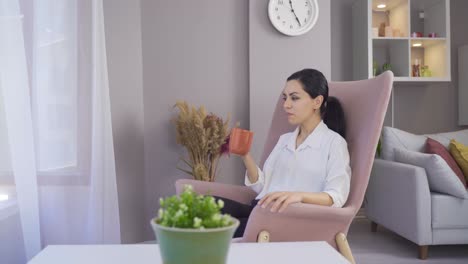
x: 280, y: 200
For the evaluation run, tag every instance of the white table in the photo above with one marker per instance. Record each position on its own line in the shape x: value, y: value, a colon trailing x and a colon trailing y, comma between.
x: 271, y: 253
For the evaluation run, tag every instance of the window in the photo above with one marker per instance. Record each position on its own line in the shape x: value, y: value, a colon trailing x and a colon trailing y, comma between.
x: 58, y: 53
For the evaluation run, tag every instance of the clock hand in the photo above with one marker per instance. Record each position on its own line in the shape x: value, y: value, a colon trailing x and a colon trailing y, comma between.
x: 292, y: 10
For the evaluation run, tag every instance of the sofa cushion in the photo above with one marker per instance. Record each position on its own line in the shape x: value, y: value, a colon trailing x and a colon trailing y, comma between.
x: 440, y: 176
x: 460, y: 153
x: 395, y: 138
x: 449, y: 211
x: 434, y: 147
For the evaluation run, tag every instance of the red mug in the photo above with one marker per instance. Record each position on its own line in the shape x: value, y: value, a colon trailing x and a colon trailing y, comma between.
x: 240, y: 141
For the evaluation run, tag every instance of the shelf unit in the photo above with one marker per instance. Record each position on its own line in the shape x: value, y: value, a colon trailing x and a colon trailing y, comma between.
x: 384, y: 35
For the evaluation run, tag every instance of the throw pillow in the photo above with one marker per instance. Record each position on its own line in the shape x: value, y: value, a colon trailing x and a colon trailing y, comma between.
x: 434, y: 147
x: 393, y: 138
x: 460, y: 154
x: 440, y: 176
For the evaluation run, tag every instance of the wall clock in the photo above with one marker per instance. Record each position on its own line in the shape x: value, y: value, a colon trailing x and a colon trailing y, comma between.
x: 293, y: 17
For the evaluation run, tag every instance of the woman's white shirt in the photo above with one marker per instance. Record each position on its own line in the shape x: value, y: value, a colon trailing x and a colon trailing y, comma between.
x: 319, y: 164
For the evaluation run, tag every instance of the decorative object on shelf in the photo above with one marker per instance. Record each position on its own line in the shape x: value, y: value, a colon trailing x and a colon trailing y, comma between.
x: 421, y: 15
x: 432, y: 35
x: 205, y: 136
x: 425, y: 72
x: 388, y: 31
x: 415, y: 69
x: 293, y: 17
x: 416, y: 35
x: 190, y: 228
x: 375, y: 32
x: 375, y: 68
x: 382, y: 30
x: 386, y: 67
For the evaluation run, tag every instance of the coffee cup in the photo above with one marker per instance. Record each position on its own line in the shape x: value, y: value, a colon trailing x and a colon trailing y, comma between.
x: 240, y: 141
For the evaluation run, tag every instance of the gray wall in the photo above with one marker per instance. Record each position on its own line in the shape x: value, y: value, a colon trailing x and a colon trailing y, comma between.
x: 341, y: 40
x: 220, y: 54
x: 433, y: 107
x: 195, y: 51
x: 274, y: 56
x: 123, y: 41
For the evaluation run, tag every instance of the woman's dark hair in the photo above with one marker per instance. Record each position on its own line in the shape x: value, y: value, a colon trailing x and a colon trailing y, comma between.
x: 315, y: 84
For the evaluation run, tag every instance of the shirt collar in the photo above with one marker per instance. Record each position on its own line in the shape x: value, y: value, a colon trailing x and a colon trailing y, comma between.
x: 313, y: 140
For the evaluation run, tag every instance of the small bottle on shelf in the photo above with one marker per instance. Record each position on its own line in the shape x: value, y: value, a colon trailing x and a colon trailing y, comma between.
x: 415, y: 68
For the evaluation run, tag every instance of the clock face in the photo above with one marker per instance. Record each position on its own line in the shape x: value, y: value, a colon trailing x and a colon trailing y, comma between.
x: 293, y: 17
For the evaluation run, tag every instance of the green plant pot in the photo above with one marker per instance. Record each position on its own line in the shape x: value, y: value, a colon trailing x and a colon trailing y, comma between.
x: 195, y: 246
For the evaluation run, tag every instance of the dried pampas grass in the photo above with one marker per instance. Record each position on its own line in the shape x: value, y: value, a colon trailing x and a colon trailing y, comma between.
x: 205, y: 136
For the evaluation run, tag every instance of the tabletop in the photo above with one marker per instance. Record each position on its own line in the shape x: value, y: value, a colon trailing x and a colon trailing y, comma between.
x: 273, y: 252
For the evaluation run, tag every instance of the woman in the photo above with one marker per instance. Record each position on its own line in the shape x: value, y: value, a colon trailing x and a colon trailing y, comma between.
x: 309, y: 165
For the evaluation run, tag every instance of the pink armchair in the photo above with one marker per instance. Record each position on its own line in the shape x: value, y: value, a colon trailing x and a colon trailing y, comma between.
x: 365, y: 103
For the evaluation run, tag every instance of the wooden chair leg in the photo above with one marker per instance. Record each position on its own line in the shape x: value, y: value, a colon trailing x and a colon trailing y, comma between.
x: 343, y: 247
x: 423, y: 250
x: 373, y: 227
x: 263, y: 237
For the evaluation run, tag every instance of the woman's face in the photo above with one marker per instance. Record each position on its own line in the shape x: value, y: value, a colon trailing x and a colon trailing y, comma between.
x: 298, y: 104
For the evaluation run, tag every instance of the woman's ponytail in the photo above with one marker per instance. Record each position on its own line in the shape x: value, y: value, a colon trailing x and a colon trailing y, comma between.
x: 334, y: 116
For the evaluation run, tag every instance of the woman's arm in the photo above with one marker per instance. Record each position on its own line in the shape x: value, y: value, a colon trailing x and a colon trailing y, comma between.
x: 281, y: 200
x: 251, y: 166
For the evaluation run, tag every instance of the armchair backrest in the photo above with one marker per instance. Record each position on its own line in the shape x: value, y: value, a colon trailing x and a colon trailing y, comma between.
x: 365, y: 104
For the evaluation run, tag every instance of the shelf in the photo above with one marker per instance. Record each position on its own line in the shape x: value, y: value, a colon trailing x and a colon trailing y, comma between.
x: 383, y: 36
x: 392, y: 20
x: 420, y: 79
x: 428, y: 39
x: 390, y: 38
x: 427, y: 16
x: 392, y: 51
x: 431, y: 53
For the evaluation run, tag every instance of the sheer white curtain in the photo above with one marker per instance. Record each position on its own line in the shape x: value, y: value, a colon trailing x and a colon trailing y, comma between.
x: 56, y: 146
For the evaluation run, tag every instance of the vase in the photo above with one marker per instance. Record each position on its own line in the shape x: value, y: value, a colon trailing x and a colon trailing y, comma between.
x: 195, y: 246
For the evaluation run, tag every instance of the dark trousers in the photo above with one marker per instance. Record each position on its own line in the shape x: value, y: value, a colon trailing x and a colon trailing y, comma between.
x: 238, y: 210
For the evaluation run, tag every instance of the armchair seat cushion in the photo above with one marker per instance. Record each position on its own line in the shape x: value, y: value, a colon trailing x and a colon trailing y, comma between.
x: 449, y: 212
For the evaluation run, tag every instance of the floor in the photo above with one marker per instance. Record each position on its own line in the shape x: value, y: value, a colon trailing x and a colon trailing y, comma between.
x: 386, y: 247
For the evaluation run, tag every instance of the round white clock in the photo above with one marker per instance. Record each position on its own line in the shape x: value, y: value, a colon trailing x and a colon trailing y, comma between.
x: 293, y: 17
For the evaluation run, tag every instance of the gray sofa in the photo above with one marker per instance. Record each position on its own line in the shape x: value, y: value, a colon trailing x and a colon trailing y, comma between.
x: 399, y: 197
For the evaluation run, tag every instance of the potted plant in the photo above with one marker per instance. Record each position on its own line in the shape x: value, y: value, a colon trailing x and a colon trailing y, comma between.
x: 190, y: 228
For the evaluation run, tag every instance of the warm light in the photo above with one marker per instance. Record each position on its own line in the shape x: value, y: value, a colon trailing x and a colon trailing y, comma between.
x: 417, y: 44
x: 3, y: 197
x: 382, y: 6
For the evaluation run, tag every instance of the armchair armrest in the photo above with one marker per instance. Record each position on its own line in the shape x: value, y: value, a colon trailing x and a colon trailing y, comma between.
x: 305, y: 222
x: 398, y: 198
x: 237, y: 193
